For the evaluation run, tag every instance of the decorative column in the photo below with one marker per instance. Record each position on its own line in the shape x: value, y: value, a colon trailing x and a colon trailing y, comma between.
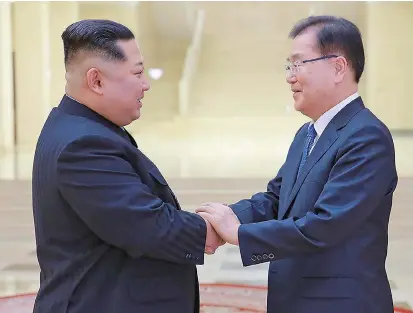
x: 389, y: 50
x: 32, y: 69
x: 6, y: 79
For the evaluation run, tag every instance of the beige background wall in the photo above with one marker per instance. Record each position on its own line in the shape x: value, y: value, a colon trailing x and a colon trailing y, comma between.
x: 6, y: 79
x: 240, y: 72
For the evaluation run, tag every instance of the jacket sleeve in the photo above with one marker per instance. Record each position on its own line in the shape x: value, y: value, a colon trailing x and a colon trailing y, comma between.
x: 109, y: 196
x: 262, y: 206
x: 363, y: 176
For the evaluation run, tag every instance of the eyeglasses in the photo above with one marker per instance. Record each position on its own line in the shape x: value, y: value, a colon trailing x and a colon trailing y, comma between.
x: 294, y: 67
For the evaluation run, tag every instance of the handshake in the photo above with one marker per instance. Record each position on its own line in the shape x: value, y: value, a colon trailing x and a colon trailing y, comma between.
x: 222, y: 225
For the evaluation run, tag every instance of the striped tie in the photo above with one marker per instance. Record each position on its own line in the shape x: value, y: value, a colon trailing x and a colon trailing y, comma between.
x: 311, y: 134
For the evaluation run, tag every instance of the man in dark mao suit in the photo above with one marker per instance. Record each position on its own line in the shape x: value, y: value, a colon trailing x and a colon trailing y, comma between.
x: 322, y: 223
x: 110, y: 234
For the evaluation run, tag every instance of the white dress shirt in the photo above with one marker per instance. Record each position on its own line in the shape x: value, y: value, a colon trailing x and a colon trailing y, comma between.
x: 322, y: 122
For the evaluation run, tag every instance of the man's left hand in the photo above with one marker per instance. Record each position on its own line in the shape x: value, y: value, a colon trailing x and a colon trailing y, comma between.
x: 223, y: 219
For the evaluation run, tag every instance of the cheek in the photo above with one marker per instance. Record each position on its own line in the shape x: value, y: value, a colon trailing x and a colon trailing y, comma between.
x: 125, y: 91
x: 135, y: 85
x: 313, y: 84
x: 114, y: 88
x: 129, y: 89
x: 305, y: 83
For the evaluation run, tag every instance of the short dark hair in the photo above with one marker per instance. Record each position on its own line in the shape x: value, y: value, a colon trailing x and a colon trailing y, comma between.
x: 95, y: 36
x: 336, y: 34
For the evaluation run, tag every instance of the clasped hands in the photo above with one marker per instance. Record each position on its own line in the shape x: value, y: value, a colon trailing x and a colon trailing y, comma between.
x: 222, y: 225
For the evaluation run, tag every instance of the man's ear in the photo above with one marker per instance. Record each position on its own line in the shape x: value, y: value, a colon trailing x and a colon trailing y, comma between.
x: 340, y: 67
x: 94, y: 80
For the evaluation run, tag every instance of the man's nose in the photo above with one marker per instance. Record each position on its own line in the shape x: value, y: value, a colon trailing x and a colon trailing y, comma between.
x: 145, y: 84
x: 290, y: 77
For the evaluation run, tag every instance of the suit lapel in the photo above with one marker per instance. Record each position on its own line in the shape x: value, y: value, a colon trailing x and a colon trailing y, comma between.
x: 131, y: 139
x: 328, y: 137
x: 151, y: 168
x: 293, y: 162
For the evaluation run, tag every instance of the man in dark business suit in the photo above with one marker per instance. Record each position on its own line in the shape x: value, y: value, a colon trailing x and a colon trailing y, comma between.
x: 110, y: 234
x: 323, y: 221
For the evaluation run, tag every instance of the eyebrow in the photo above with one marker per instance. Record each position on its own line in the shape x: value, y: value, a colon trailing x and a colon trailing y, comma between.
x: 295, y: 56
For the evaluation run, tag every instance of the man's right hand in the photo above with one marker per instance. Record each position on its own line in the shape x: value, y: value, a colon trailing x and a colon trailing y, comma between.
x: 213, y: 240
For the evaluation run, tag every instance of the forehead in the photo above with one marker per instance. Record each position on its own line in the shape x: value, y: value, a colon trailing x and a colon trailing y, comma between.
x: 304, y: 45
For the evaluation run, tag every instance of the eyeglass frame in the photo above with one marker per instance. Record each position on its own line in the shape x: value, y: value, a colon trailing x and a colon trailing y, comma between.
x: 298, y: 64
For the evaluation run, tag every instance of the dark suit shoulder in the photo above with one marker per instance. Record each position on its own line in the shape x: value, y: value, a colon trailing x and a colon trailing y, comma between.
x: 302, y: 128
x: 61, y: 129
x: 366, y: 122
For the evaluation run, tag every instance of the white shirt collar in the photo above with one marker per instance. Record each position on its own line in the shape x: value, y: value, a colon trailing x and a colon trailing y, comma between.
x: 322, y: 122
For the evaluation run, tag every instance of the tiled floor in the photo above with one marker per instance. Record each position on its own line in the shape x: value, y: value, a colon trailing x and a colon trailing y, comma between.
x: 201, y: 165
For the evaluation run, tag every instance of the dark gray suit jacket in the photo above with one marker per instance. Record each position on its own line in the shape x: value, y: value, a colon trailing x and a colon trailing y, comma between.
x: 324, y: 231
x: 110, y: 234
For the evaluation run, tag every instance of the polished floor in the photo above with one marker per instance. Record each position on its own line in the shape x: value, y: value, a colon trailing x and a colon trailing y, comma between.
x: 203, y: 160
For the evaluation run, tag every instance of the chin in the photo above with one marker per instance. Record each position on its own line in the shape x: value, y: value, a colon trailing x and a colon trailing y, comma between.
x: 300, y: 107
x: 136, y: 115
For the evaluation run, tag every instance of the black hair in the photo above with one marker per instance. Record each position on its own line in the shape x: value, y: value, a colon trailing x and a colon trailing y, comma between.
x: 95, y: 36
x: 336, y: 34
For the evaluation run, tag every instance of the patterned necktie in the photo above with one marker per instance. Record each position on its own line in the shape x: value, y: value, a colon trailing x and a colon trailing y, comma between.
x: 311, y: 134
